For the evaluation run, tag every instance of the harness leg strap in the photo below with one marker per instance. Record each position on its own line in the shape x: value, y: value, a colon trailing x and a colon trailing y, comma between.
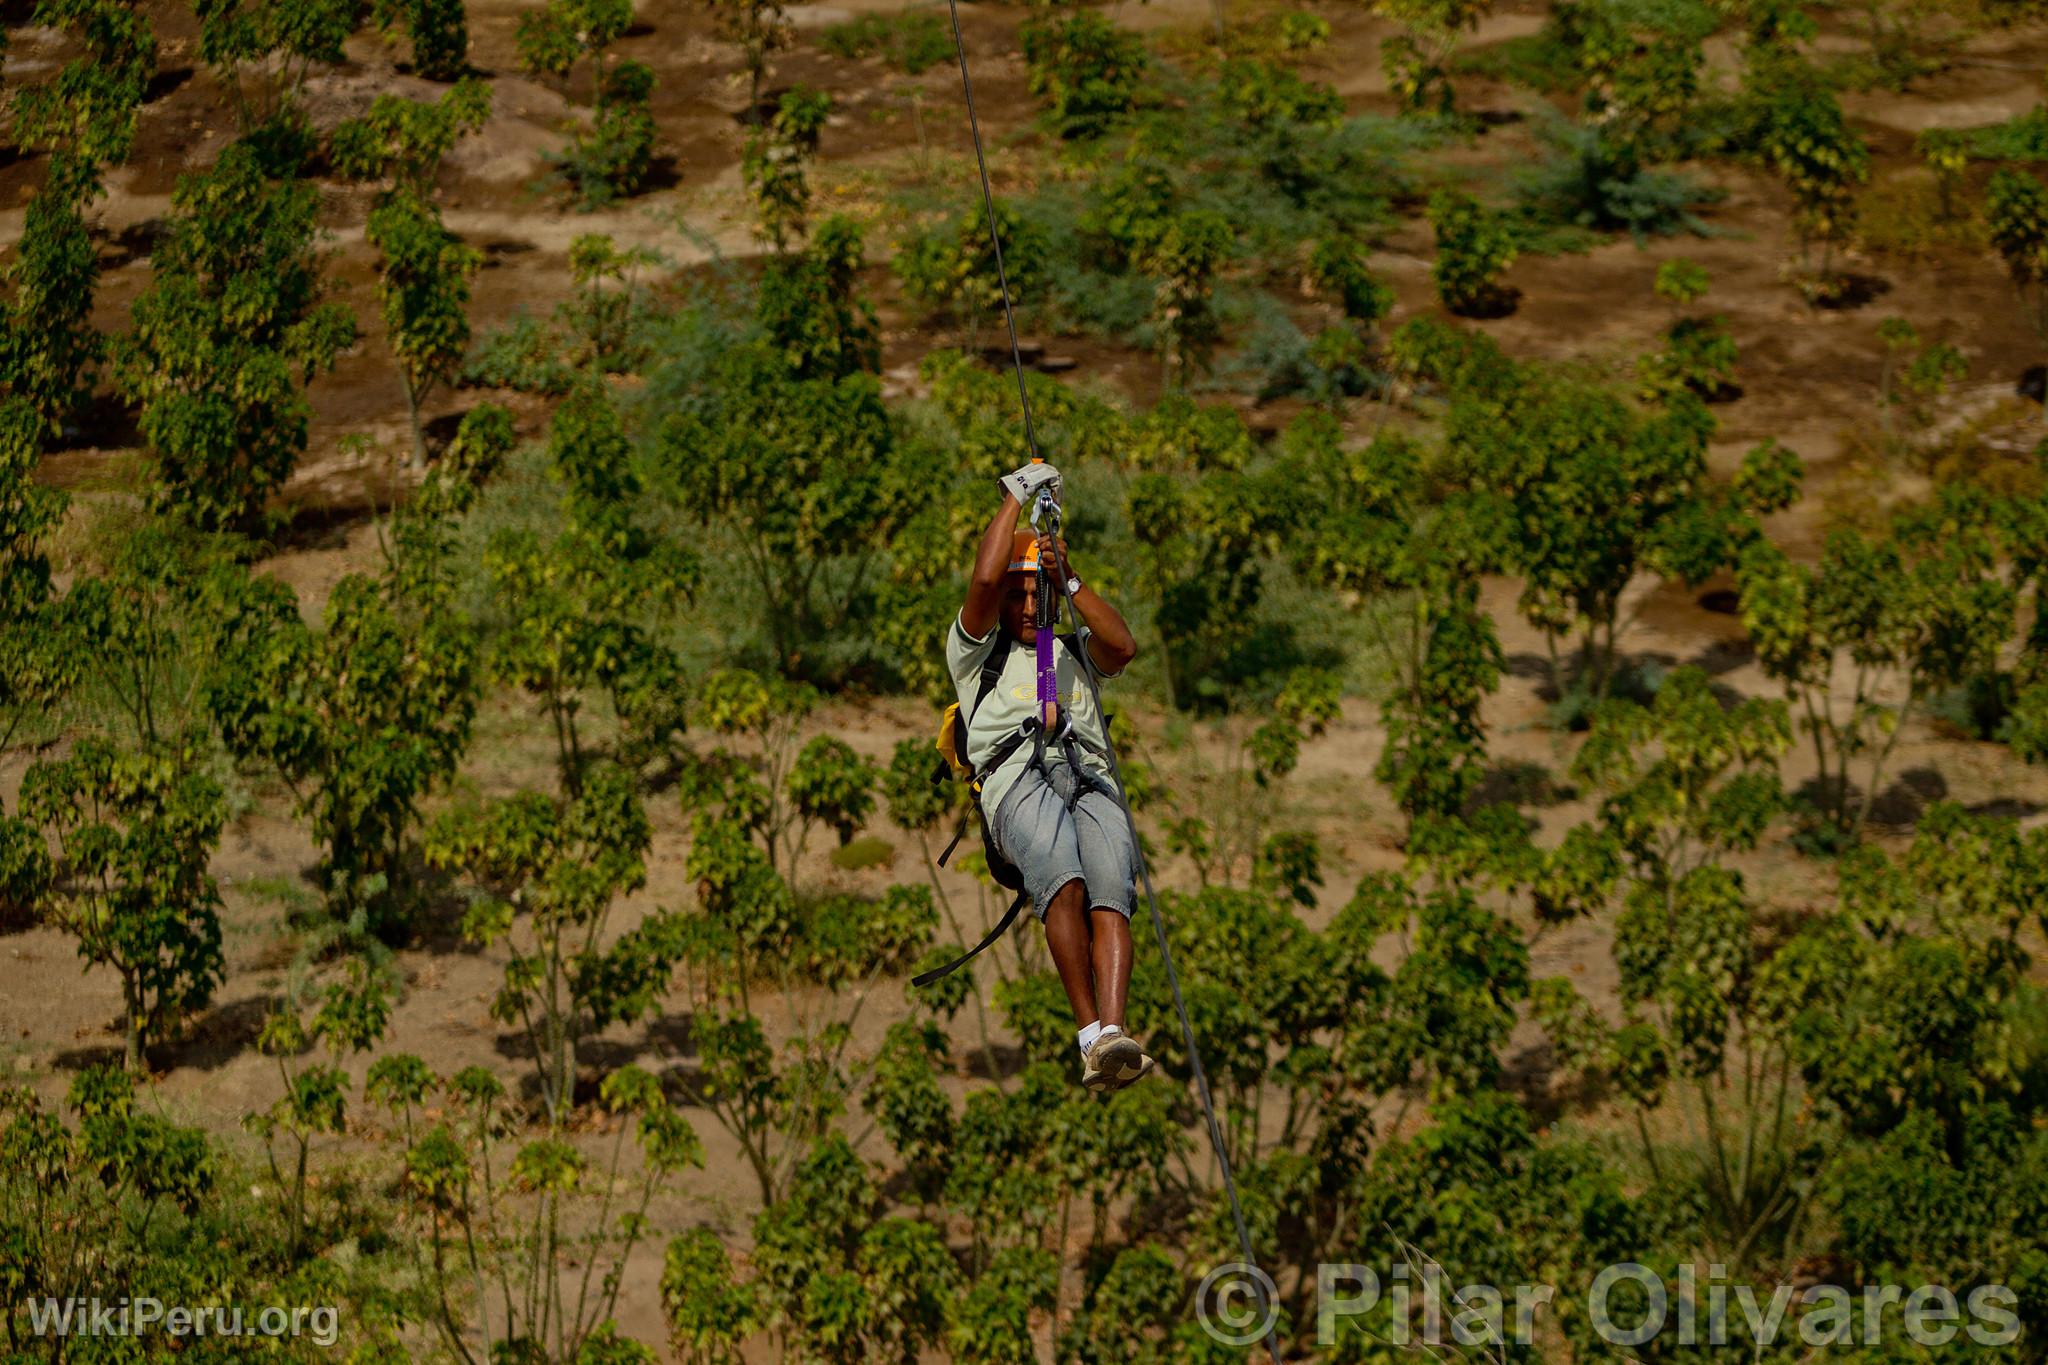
x: 1023, y: 898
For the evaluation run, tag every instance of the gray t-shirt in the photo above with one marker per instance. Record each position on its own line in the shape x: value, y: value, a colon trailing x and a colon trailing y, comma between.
x: 1013, y: 701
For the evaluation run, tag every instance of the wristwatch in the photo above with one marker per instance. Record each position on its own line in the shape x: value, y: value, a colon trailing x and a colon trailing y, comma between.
x: 1073, y: 586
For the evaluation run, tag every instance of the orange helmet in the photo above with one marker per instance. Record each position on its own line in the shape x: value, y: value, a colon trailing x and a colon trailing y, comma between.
x: 1024, y: 552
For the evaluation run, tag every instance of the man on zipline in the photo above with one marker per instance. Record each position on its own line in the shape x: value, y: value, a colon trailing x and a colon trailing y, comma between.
x: 1051, y: 806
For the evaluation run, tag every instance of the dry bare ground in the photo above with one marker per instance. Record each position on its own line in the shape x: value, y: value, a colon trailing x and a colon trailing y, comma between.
x: 1806, y: 376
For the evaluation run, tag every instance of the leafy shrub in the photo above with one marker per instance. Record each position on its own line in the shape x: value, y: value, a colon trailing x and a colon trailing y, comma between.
x: 1301, y: 30
x: 404, y: 141
x: 1088, y: 70
x: 424, y: 272
x: 1190, y: 254
x: 610, y: 161
x: 226, y: 336
x: 811, y: 307
x: 1417, y: 61
x: 133, y: 833
x: 1698, y: 354
x: 524, y: 355
x: 1473, y: 247
x: 88, y: 113
x: 1278, y: 360
x: 439, y: 30
x: 1589, y: 180
x: 1337, y: 266
x: 1802, y: 135
x: 1905, y: 217
x: 773, y: 165
x: 952, y: 267
x: 2016, y: 208
x: 911, y: 43
x: 49, y: 349
x: 2023, y: 137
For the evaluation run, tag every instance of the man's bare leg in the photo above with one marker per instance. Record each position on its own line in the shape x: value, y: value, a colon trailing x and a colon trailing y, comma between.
x: 1066, y: 934
x: 1112, y: 960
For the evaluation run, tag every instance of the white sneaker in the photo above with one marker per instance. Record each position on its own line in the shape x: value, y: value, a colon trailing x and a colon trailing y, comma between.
x: 1113, y: 1062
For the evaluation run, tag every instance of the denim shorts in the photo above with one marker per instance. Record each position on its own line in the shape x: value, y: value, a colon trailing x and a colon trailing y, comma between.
x: 1053, y: 845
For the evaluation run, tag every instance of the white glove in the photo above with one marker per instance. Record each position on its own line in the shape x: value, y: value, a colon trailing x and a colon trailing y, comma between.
x: 1023, y: 483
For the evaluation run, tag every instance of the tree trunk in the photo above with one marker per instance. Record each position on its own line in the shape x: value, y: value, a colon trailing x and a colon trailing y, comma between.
x: 132, y: 1019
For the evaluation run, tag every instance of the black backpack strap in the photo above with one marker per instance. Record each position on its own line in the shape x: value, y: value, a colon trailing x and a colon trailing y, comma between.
x: 991, y: 673
x: 1023, y: 898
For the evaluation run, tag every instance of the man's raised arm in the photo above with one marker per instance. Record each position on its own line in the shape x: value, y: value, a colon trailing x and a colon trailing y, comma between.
x: 992, y: 560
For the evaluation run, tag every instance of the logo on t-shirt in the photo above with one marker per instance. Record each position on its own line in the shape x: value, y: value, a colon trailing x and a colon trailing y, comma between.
x: 1028, y: 692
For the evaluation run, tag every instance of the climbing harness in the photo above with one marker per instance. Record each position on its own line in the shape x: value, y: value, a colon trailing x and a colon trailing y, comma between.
x: 1049, y: 510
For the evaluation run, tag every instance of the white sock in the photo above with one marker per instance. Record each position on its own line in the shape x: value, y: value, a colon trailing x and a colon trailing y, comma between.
x: 1091, y: 1032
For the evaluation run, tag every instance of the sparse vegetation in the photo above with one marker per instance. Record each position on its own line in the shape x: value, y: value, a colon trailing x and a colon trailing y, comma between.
x: 1585, y: 732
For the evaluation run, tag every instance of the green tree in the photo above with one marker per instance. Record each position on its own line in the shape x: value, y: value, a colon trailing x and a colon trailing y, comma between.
x: 1805, y: 139
x: 1184, y: 264
x: 520, y: 1241
x: 1418, y: 62
x: 603, y: 319
x: 611, y: 157
x: 1435, y: 754
x: 107, y: 1192
x: 262, y: 52
x: 439, y: 30
x: 709, y: 1312
x: 842, y: 1284
x: 1289, y: 131
x: 227, y: 335
x: 1698, y: 355
x: 578, y: 612
x: 50, y: 351
x: 1409, y: 565
x: 133, y: 832
x: 404, y: 141
x: 1204, y: 523
x: 555, y: 38
x: 350, y: 1019
x: 952, y: 267
x: 805, y: 474
x: 1686, y: 782
x: 811, y: 308
x: 147, y: 624
x: 1642, y: 74
x: 424, y: 272
x: 89, y: 112
x: 1913, y: 378
x: 365, y: 718
x: 778, y: 153
x: 551, y: 870
x: 36, y: 664
x: 1879, y: 617
x: 1473, y: 247
x: 759, y: 29
x: 1596, y: 492
x: 2016, y: 208
x: 1338, y: 268
x: 1087, y: 69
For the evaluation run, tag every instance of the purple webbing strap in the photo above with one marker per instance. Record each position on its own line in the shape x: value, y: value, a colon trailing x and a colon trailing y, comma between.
x: 1048, y: 679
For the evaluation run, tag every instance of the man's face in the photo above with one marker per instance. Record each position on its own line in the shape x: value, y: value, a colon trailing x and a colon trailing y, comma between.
x: 1020, y: 606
